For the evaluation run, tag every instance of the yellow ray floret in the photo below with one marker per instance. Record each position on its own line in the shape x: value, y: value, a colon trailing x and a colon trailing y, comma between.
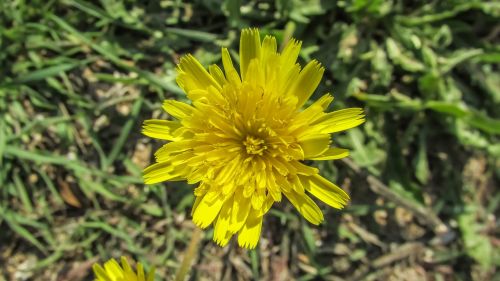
x: 113, y: 271
x: 245, y: 136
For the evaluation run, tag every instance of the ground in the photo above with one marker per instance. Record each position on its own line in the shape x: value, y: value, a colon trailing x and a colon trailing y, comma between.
x: 78, y: 78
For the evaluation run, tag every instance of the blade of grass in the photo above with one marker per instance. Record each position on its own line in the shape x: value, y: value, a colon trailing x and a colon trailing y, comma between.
x: 23, y: 194
x: 124, y: 134
x: 37, y: 123
x: 77, y: 167
x: 254, y: 261
x: 90, y: 9
x: 119, y: 233
x: 21, y: 231
x: 152, y: 78
x: 193, y: 34
x: 45, y: 73
x: 3, y: 139
x: 428, y: 18
x: 97, y: 187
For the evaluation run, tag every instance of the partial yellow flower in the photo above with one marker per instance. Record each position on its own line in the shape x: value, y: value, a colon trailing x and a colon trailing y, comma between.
x: 112, y: 271
x: 244, y: 138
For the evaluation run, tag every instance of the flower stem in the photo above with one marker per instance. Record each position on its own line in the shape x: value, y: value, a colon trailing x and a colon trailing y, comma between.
x: 189, y: 255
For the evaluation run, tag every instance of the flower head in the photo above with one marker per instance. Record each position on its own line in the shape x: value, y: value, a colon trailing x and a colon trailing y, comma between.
x: 245, y: 136
x: 112, y: 271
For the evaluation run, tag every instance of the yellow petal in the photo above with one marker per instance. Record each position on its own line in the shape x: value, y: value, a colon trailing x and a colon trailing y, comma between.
x: 258, y: 198
x: 151, y: 274
x: 325, y: 191
x: 217, y: 74
x: 296, y: 185
x: 273, y: 188
x: 314, y: 145
x: 269, y: 47
x: 269, y: 57
x: 345, y: 125
x: 160, y: 129
x: 231, y: 73
x: 324, y: 101
x: 197, y: 95
x: 340, y: 120
x: 177, y: 109
x: 140, y: 272
x: 113, y: 269
x: 332, y: 153
x: 303, y: 87
x: 221, y: 230
x: 239, y: 214
x: 227, y: 173
x: 249, y: 235
x: 161, y: 172
x: 268, y: 203
x: 100, y: 273
x: 306, y: 206
x: 207, y: 210
x: 197, y: 174
x: 314, y: 111
x: 255, y: 73
x: 302, y: 169
x: 126, y: 266
x: 192, y: 75
x: 287, y: 82
x: 164, y: 153
x: 290, y: 54
x: 198, y: 199
x: 283, y: 182
x: 339, y: 115
x: 249, y: 48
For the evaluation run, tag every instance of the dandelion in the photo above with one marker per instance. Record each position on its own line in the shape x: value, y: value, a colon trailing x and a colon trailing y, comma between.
x: 244, y: 138
x: 112, y: 271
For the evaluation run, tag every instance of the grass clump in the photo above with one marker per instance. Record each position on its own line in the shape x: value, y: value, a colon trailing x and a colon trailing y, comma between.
x: 77, y: 78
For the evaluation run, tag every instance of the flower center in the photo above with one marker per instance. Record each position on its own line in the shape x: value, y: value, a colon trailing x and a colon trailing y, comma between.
x: 254, y: 145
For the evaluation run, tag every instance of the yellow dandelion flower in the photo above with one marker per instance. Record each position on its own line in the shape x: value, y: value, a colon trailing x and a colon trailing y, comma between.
x: 112, y: 271
x: 244, y: 138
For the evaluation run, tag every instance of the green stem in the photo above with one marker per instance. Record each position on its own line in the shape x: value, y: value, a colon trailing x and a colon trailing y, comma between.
x: 189, y: 255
